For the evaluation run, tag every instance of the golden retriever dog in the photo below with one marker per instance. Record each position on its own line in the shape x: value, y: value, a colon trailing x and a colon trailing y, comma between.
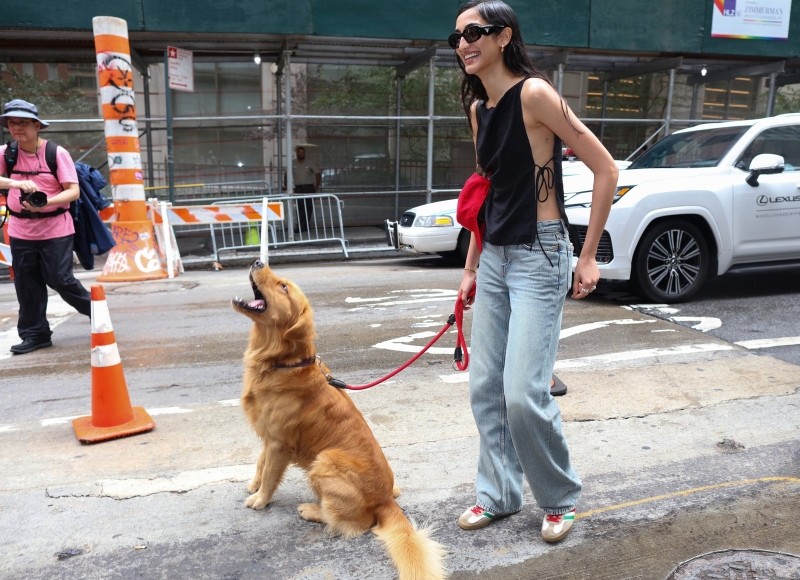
x: 303, y: 420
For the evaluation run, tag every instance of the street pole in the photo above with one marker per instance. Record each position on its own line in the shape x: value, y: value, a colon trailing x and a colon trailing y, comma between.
x: 603, y: 111
x: 771, y: 95
x: 278, y: 78
x: 148, y: 131
x: 170, y: 158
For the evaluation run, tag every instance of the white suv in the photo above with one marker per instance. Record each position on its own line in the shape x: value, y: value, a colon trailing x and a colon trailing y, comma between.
x: 706, y: 201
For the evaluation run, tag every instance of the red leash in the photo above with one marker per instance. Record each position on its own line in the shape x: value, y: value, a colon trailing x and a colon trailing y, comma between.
x: 456, y: 318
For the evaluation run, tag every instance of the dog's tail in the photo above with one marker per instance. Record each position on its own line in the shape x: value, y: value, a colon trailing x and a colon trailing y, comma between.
x: 416, y: 555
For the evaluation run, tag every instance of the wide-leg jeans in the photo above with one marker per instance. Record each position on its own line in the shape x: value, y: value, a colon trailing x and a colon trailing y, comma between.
x: 38, y: 264
x: 515, y: 329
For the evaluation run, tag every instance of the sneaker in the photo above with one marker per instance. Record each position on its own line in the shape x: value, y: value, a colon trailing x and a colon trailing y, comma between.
x: 474, y: 518
x: 554, y: 528
x: 29, y: 345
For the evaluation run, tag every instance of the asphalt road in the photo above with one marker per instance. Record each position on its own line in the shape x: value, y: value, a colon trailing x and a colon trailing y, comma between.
x: 686, y: 442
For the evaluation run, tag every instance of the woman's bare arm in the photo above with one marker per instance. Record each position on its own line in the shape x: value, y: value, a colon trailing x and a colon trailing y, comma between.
x: 546, y: 106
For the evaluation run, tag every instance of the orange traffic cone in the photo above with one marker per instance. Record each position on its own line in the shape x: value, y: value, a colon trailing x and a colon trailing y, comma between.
x: 112, y: 414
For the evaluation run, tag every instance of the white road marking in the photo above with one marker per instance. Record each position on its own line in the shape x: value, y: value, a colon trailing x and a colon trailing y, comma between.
x: 168, y: 411
x: 8, y: 428
x: 665, y: 330
x: 417, y: 296
x: 573, y: 330
x: 151, y: 412
x: 230, y: 402
x: 770, y: 342
x: 58, y: 420
x: 57, y: 312
x: 704, y: 323
x: 374, y: 325
x: 605, y: 359
x: 401, y: 344
x: 662, y: 308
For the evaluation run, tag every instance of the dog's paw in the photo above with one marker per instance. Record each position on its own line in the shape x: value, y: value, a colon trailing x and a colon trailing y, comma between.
x: 254, y: 485
x: 257, y: 502
x: 310, y: 512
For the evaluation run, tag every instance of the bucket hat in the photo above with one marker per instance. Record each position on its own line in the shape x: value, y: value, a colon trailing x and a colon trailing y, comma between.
x: 20, y: 108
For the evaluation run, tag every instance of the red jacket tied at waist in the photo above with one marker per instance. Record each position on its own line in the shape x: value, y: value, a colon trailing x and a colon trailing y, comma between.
x: 470, y: 201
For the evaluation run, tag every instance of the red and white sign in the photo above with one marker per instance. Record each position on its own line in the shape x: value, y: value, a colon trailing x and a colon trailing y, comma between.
x: 181, y: 69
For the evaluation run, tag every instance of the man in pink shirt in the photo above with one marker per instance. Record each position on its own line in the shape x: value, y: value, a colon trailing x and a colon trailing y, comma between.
x: 40, y: 233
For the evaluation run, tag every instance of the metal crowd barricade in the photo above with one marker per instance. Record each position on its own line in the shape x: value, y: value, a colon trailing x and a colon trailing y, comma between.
x: 316, y: 216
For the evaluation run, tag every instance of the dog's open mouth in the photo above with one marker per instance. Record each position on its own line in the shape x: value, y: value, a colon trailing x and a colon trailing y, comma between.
x: 259, y: 304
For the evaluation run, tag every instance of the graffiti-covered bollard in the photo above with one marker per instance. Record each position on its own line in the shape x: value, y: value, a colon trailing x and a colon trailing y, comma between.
x: 136, y: 255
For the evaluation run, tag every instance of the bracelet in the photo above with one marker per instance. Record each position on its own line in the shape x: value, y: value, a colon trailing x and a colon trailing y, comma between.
x: 471, y: 270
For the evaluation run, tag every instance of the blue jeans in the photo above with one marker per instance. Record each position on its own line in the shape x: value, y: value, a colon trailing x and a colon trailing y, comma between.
x: 515, y: 328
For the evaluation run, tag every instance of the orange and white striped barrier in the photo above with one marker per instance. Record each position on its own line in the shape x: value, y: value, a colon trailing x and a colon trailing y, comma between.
x: 112, y: 415
x: 213, y: 214
x: 136, y: 255
x: 5, y: 254
x: 164, y: 213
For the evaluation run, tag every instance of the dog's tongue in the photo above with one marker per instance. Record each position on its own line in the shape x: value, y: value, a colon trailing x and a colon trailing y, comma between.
x: 257, y: 304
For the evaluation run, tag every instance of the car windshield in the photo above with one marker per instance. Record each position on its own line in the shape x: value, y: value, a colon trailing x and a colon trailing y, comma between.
x: 692, y: 149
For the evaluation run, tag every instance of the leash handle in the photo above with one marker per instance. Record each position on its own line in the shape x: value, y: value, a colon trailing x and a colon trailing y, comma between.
x: 461, y: 354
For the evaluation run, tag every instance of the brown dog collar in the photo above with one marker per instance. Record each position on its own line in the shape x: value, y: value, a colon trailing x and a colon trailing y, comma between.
x: 303, y: 363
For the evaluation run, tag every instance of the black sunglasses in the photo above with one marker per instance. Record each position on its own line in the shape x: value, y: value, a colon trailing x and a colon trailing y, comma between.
x: 472, y: 33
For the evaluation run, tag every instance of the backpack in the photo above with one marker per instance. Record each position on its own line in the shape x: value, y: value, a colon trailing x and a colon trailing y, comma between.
x: 10, y: 156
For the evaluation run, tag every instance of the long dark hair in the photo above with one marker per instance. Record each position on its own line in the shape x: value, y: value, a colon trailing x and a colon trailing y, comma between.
x: 498, y: 13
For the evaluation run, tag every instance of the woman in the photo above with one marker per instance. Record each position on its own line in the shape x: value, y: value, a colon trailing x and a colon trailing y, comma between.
x: 518, y: 121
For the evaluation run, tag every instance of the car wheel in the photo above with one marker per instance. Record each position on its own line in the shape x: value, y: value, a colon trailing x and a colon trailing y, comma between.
x: 462, y: 247
x: 671, y: 261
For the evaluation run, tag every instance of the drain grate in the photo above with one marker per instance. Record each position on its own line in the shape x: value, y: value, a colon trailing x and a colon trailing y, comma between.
x: 739, y: 565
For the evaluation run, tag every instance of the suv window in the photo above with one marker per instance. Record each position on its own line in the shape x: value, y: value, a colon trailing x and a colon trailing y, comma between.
x: 693, y: 149
x: 783, y: 141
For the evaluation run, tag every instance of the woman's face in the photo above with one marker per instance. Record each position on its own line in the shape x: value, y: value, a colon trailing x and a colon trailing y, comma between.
x: 484, y: 52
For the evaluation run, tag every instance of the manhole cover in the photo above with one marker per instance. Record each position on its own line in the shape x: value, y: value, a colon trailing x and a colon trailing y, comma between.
x: 151, y: 287
x: 739, y: 565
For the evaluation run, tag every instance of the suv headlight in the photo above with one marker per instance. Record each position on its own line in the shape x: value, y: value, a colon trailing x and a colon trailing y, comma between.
x: 433, y: 221
x: 584, y: 198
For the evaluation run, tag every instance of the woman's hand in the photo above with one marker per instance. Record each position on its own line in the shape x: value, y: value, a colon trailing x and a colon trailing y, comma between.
x: 467, y: 282
x: 587, y: 275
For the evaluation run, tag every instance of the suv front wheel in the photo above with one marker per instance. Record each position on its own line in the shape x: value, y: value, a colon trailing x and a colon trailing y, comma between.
x: 671, y: 261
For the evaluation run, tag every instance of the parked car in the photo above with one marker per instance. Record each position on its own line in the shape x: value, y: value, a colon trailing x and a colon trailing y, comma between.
x: 702, y: 202
x: 432, y: 228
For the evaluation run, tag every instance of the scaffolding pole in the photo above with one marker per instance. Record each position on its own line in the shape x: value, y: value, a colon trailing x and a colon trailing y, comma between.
x: 397, y: 150
x: 668, y: 112
x: 289, y: 170
x: 431, y: 86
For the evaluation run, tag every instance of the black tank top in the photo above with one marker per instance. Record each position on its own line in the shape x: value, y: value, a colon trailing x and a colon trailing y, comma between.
x: 504, y: 153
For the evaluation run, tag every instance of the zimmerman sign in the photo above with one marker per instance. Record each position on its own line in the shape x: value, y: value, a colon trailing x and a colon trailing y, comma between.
x: 751, y: 19
x: 181, y: 69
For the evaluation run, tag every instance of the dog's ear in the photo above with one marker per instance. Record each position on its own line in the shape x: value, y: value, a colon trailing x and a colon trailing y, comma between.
x: 303, y: 329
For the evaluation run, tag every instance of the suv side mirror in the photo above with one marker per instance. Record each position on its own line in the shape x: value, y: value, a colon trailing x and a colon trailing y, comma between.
x: 764, y: 164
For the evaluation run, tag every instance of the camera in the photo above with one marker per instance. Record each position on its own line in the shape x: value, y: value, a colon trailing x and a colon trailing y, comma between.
x: 35, y: 198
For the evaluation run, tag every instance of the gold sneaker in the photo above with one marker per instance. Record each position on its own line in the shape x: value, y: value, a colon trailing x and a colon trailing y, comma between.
x: 554, y: 528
